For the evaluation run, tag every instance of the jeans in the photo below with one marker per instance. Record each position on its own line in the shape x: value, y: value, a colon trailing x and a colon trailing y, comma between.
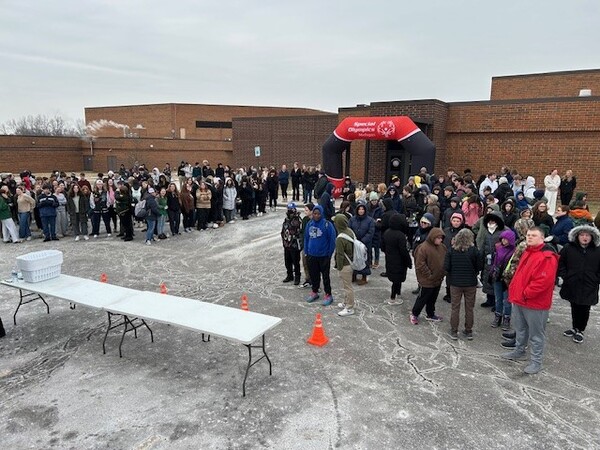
x: 49, y: 225
x: 150, y: 222
x: 503, y: 306
x: 160, y: 226
x: 80, y: 224
x: 24, y: 231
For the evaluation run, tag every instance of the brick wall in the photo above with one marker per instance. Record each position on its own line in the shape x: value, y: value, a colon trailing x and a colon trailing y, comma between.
x: 166, y: 120
x: 282, y: 140
x: 531, y: 136
x: 545, y: 85
x: 39, y: 154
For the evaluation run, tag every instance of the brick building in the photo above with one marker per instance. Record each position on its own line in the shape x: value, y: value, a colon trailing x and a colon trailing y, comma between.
x: 532, y: 123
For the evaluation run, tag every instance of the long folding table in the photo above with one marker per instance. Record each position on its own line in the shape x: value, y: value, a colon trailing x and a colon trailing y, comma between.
x: 130, y: 308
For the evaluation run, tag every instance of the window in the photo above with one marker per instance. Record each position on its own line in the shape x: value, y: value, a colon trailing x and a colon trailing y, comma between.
x: 212, y: 124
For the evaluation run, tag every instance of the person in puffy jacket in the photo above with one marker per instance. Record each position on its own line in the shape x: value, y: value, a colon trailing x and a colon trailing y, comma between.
x: 364, y: 228
x: 530, y: 292
x: 579, y: 267
x: 397, y: 257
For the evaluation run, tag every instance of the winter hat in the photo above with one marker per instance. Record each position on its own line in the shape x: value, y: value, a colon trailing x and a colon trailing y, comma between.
x: 151, y: 190
x: 455, y: 199
x: 538, y: 194
x: 458, y: 216
x: 428, y: 217
x: 503, y: 180
x: 291, y: 205
x: 373, y: 196
x: 433, y: 197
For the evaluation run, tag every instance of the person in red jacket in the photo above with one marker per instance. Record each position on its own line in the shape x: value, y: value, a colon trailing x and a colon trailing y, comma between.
x: 530, y: 292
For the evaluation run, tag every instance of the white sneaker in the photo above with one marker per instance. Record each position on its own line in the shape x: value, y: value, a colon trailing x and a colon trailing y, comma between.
x: 341, y: 305
x: 28, y: 238
x: 95, y: 236
x: 396, y: 302
x: 148, y: 242
x: 108, y: 235
x: 232, y: 221
x: 215, y: 225
x: 346, y: 312
x: 86, y: 238
x: 76, y: 238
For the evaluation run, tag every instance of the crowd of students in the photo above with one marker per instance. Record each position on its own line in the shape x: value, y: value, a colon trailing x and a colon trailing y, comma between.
x: 471, y: 233
x: 502, y: 235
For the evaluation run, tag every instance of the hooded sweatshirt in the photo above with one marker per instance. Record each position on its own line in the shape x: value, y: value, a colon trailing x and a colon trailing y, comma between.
x: 344, y: 249
x: 429, y: 260
x: 319, y: 237
x: 326, y: 202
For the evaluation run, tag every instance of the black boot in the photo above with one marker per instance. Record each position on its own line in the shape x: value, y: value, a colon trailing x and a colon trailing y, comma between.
x: 497, y: 321
x: 2, y: 331
x: 297, y: 280
x: 288, y: 278
x: 509, y: 335
x: 509, y: 344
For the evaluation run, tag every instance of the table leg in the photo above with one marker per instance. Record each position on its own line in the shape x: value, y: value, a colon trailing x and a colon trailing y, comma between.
x: 250, y: 363
x: 22, y: 297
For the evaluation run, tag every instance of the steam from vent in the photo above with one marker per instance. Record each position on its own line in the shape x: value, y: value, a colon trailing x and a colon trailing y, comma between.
x: 95, y: 126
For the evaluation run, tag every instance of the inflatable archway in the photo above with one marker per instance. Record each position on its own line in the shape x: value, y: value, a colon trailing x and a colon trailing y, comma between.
x: 400, y: 128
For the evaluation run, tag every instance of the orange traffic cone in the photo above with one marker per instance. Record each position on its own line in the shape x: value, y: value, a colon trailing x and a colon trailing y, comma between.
x: 163, y: 288
x: 103, y: 278
x: 318, y: 337
x: 245, y: 302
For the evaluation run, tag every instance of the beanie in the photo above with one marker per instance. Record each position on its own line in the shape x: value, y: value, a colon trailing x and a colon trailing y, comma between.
x: 373, y: 196
x: 428, y: 217
x: 458, y: 216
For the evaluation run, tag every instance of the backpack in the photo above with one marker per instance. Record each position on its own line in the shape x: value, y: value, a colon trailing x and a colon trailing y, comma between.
x: 140, y: 211
x: 359, y: 257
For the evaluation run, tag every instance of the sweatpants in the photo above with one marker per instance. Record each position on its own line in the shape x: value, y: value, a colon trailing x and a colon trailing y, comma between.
x: 530, y: 326
x: 426, y: 299
x: 346, y: 279
x: 317, y: 266
x: 580, y: 314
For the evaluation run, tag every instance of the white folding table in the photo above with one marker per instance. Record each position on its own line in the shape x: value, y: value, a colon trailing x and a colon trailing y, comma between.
x: 135, y: 307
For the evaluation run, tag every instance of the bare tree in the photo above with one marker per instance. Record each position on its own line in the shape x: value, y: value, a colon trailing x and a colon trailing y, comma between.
x: 42, y: 125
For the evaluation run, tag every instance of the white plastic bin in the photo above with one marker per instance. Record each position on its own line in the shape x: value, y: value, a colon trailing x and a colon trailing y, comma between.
x: 40, y: 266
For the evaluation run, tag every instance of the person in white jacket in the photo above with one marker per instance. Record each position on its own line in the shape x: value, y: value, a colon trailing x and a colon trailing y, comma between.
x: 552, y: 183
x: 229, y: 199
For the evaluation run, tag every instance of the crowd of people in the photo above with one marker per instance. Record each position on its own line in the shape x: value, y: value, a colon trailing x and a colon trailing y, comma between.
x: 499, y: 232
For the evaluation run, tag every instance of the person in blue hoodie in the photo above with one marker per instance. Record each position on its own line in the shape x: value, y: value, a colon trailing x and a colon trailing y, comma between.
x: 564, y: 224
x: 319, y: 245
x: 326, y: 202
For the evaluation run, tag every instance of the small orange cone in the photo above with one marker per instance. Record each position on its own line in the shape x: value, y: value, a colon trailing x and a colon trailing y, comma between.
x: 103, y: 278
x: 245, y: 302
x: 163, y: 288
x: 318, y: 337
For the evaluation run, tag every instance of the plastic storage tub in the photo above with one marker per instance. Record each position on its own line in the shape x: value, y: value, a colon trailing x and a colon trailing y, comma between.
x: 40, y: 266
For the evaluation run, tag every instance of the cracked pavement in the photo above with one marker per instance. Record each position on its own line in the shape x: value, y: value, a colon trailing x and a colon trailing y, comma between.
x: 379, y: 383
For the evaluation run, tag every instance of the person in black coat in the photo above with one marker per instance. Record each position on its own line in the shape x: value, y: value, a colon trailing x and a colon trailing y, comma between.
x: 579, y: 267
x: 397, y: 258
x: 462, y: 264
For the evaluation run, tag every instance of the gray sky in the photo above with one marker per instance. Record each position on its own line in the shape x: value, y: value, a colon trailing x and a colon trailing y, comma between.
x: 60, y: 56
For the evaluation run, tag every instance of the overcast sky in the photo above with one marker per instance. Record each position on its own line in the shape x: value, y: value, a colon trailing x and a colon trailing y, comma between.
x: 61, y: 56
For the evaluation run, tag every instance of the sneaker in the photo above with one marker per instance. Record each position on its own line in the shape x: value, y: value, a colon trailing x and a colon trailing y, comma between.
x: 395, y: 302
x: 148, y: 242
x: 312, y: 297
x: 453, y: 335
x: 327, y: 300
x: 532, y: 368
x: 487, y: 304
x: 509, y: 335
x: 108, y: 235
x: 95, y: 236
x: 306, y: 284
x: 346, y: 312
x: 514, y: 355
x: 434, y: 318
x: 468, y: 335
x: 86, y: 238
x: 578, y: 337
x: 341, y: 305
x: 288, y: 279
x: 28, y: 238
x: 55, y: 238
x: 232, y: 221
x: 414, y: 319
x: 511, y: 343
x: 416, y: 291
x: 447, y: 299
x: 570, y: 333
x: 505, y: 323
x: 497, y: 320
x: 76, y: 238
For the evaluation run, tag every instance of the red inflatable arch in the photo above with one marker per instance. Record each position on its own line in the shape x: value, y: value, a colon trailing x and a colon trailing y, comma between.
x: 400, y: 128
